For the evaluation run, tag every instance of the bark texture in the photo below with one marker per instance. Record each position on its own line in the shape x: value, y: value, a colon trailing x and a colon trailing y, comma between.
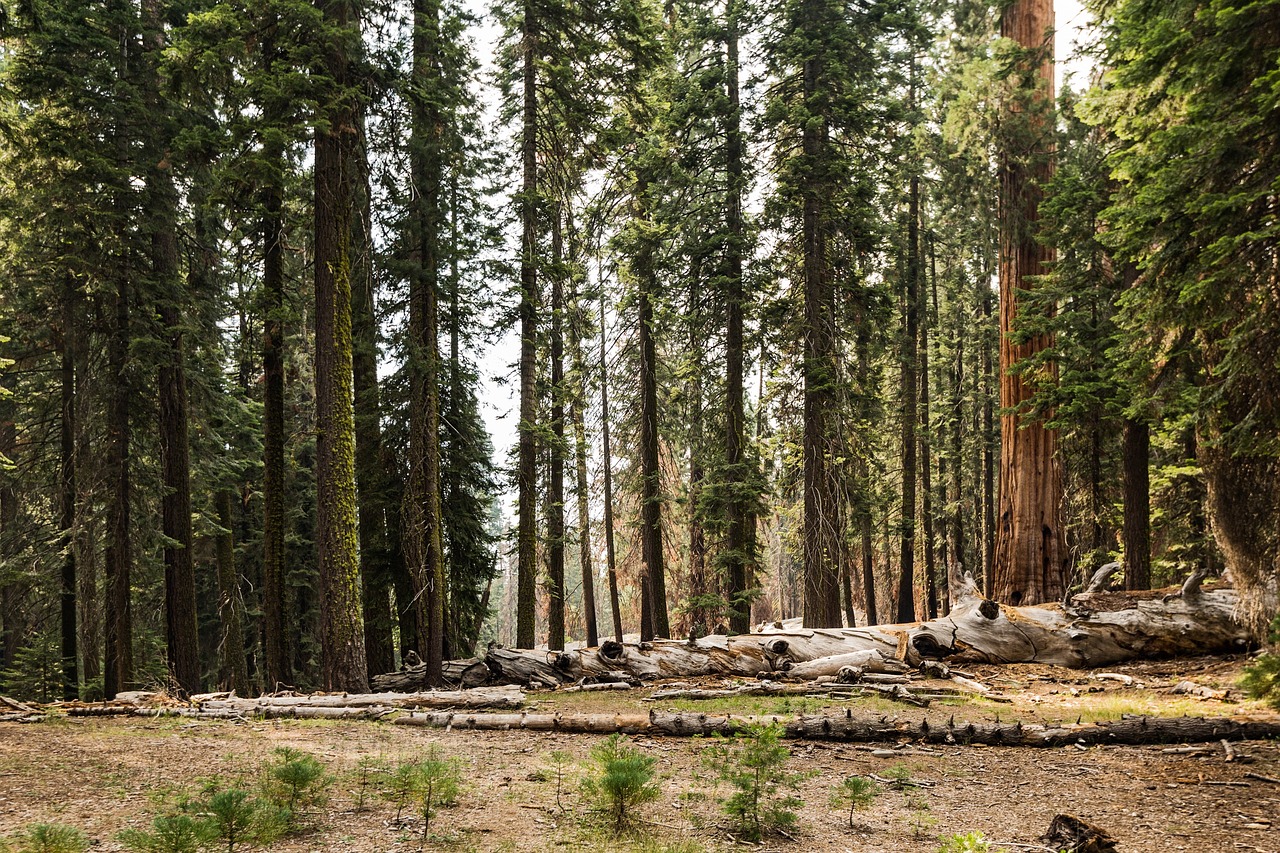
x: 1031, y: 560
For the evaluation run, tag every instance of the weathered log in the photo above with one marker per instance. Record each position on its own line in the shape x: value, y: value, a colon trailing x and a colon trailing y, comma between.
x: 1095, y: 630
x: 500, y: 696
x: 467, y: 673
x: 847, y: 727
x: 868, y: 660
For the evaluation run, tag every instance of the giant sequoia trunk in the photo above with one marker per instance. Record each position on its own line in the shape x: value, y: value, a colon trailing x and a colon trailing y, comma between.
x: 1030, y: 564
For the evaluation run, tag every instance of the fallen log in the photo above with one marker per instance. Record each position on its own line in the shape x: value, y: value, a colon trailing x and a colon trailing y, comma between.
x: 312, y: 706
x: 1094, y: 630
x: 471, y: 672
x: 848, y: 728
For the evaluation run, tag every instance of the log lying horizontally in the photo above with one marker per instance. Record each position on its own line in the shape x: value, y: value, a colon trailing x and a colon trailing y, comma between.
x: 470, y: 672
x: 321, y: 706
x: 846, y: 727
x: 1096, y: 630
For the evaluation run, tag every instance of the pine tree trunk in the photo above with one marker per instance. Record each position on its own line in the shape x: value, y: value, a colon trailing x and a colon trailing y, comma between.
x: 555, y: 474
x: 607, y: 462
x: 117, y: 672
x: 527, y: 473
x: 181, y: 634
x: 1137, y: 505
x: 1031, y: 561
x: 821, y: 530
x: 341, y: 630
x: 233, y: 666
x: 925, y: 438
x: 652, y: 574
x: 910, y: 411
x: 739, y: 552
x: 986, y: 544
x: 375, y: 576
x: 577, y: 402
x: 277, y: 660
x: 423, y: 544
x: 67, y: 489
x: 698, y: 585
x: 11, y: 586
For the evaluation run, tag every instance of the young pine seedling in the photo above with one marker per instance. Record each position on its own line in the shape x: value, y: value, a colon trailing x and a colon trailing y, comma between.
x: 52, y: 838
x: 560, y: 762
x: 171, y: 833
x: 754, y: 763
x: 622, y: 782
x: 856, y: 792
x: 296, y: 781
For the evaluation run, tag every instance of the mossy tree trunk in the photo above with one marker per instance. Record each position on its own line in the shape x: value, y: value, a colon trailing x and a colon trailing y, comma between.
x: 343, y: 665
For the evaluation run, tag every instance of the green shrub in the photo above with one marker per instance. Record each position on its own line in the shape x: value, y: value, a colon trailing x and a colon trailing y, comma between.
x: 622, y: 782
x: 234, y: 818
x: 174, y: 833
x: 52, y: 838
x: 1262, y: 678
x: 754, y: 763
x: 856, y: 792
x: 438, y: 783
x: 972, y: 842
x: 296, y: 782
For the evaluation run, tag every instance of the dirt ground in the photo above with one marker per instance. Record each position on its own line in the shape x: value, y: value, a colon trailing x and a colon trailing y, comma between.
x: 105, y: 774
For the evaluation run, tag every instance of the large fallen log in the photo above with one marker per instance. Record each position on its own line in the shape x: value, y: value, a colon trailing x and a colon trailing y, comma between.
x: 847, y: 727
x: 467, y: 673
x: 1096, y: 629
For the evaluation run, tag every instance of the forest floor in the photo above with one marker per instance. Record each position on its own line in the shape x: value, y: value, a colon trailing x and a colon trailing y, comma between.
x: 103, y: 775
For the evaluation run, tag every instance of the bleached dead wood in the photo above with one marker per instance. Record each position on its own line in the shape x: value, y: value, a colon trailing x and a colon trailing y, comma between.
x: 849, y: 728
x: 1096, y: 630
x: 315, y: 706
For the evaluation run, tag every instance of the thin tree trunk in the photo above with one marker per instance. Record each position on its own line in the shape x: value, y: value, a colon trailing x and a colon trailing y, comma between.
x: 527, y: 473
x: 1030, y: 561
x: 607, y: 462
x: 1137, y: 505
x: 926, y: 460
x: 118, y: 640
x: 653, y: 575
x: 233, y: 665
x: 986, y: 546
x: 577, y: 402
x: 698, y: 586
x: 739, y: 539
x: 375, y: 579
x: 343, y: 665
x: 910, y: 413
x: 67, y: 489
x: 11, y: 587
x: 555, y: 485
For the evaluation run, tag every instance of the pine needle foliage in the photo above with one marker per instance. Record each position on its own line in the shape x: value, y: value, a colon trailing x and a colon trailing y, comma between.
x: 754, y: 763
x: 621, y: 783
